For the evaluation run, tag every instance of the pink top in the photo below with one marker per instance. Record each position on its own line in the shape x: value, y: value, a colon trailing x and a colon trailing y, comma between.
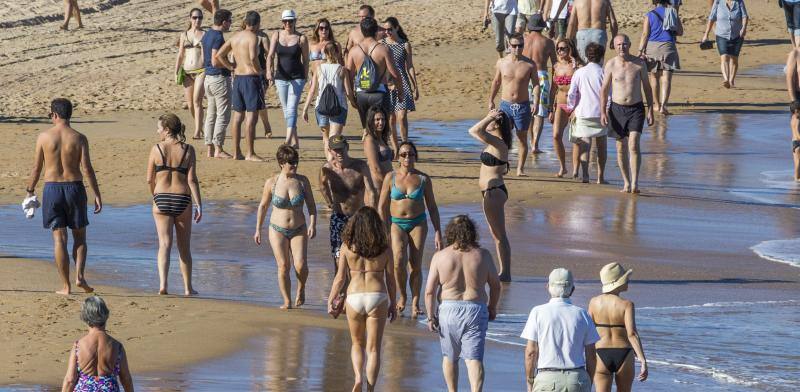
x: 584, y: 92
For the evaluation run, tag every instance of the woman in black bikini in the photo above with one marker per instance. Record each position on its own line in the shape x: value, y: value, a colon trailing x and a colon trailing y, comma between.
x: 173, y: 183
x: 495, y: 132
x: 615, y: 321
x: 287, y: 192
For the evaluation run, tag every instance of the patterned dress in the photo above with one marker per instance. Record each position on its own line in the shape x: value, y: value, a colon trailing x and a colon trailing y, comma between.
x: 399, y: 56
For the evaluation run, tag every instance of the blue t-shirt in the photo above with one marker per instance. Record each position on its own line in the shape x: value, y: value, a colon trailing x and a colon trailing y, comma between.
x: 212, y: 40
x: 657, y: 32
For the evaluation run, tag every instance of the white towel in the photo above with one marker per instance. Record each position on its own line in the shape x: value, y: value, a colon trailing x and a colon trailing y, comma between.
x: 29, y: 206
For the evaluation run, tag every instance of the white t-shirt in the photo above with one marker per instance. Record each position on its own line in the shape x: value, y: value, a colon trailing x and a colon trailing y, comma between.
x: 562, y: 330
x: 554, y: 8
x: 508, y: 7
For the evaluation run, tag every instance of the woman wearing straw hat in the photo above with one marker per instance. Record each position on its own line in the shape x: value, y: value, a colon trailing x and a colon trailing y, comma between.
x: 615, y: 321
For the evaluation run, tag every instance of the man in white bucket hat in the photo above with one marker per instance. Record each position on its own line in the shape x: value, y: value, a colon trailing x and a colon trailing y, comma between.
x: 560, y: 352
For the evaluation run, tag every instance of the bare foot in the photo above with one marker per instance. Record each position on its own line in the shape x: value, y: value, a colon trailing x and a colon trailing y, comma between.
x: 656, y: 107
x: 268, y: 131
x: 626, y: 188
x: 254, y: 158
x: 602, y: 181
x: 223, y: 155
x: 521, y: 173
x: 561, y: 173
x: 726, y: 84
x: 190, y: 292
x: 197, y: 136
x: 286, y: 306
x: 163, y: 292
x: 504, y: 277
x: 63, y: 291
x: 80, y: 26
x: 300, y: 300
x: 664, y: 111
x: 416, y: 312
x: 635, y: 190
x: 64, y: 27
x: 575, y: 176
x: 86, y: 288
x: 401, y: 306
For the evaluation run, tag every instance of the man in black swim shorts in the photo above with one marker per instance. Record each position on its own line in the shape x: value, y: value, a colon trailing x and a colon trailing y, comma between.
x: 247, y: 96
x: 624, y: 78
x: 61, y: 152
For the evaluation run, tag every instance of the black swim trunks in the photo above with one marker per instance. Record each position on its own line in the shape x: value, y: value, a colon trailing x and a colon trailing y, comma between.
x: 795, y: 145
x: 248, y: 93
x: 624, y: 119
x: 366, y: 100
x: 64, y: 205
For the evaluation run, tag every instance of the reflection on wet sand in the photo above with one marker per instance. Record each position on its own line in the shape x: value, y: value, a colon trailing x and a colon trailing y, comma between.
x: 286, y: 361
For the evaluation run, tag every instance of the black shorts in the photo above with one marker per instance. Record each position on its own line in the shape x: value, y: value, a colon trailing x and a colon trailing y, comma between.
x: 64, y: 205
x: 624, y: 119
x: 247, y: 94
x: 366, y: 100
x: 730, y: 47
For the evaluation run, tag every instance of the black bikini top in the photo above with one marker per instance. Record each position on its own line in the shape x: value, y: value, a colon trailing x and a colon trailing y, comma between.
x: 179, y: 168
x: 491, y: 160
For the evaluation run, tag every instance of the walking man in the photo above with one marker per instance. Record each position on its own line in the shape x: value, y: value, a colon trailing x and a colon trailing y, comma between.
x: 248, y: 85
x: 560, y: 354
x: 590, y: 18
x: 515, y: 73
x: 542, y: 51
x: 502, y: 14
x: 584, y: 99
x: 63, y: 153
x: 459, y: 275
x: 217, y: 85
x: 793, y: 87
x: 346, y: 185
x: 355, y: 37
x: 624, y: 78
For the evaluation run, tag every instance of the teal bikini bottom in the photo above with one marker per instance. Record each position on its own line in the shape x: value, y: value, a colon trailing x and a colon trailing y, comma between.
x: 289, y: 233
x: 409, y: 224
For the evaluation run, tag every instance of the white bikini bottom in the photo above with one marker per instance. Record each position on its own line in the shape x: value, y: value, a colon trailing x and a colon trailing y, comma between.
x: 364, y: 303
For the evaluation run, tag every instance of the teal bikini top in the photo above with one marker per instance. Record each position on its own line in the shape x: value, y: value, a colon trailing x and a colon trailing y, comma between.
x: 417, y: 194
x: 282, y: 202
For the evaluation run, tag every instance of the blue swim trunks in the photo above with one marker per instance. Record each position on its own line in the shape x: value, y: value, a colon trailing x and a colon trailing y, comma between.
x: 64, y: 205
x: 462, y: 329
x: 248, y: 93
x: 518, y: 113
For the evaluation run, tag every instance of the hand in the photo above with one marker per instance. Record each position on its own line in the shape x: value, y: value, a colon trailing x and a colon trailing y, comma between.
x: 491, y: 105
x: 492, y: 313
x: 353, y: 102
x: 392, y: 315
x: 312, y: 232
x: 705, y: 38
x: 433, y: 324
x: 494, y: 114
x: 603, y: 118
x: 437, y: 240
x: 98, y: 204
x: 643, y: 372
x: 257, y: 237
x: 269, y: 77
x: 534, y: 109
x: 198, y: 213
x: 330, y: 308
x: 650, y: 119
x: 305, y: 114
x: 742, y: 33
x: 552, y: 116
x: 416, y: 94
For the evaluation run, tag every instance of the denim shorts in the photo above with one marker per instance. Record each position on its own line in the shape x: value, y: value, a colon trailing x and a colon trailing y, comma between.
x: 324, y: 121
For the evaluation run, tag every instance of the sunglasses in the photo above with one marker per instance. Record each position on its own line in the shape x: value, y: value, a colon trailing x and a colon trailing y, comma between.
x: 288, y: 21
x: 293, y: 162
x: 323, y: 28
x: 516, y: 46
x: 197, y: 17
x: 407, y: 155
x: 562, y: 49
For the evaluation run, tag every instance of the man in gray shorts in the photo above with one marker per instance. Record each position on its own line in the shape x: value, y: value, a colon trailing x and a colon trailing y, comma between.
x: 588, y: 21
x: 460, y: 273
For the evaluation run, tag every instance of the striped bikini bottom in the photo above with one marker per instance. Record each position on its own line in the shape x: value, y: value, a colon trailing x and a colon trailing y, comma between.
x: 172, y: 204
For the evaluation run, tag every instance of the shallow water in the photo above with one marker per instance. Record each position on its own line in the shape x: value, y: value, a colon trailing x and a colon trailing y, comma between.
x: 731, y: 174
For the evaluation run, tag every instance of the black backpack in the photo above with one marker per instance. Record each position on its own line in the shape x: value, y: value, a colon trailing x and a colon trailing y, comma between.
x: 329, y: 102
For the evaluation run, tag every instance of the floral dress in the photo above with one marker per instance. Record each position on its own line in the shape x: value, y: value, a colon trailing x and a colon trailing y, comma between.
x: 399, y: 58
x: 90, y: 383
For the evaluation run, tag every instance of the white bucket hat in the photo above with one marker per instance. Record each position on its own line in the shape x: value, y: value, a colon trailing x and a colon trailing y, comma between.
x: 613, y: 275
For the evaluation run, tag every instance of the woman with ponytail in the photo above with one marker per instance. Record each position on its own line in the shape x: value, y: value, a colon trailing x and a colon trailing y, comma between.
x: 172, y: 175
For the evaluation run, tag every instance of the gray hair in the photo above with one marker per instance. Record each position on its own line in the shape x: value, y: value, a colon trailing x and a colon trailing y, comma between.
x: 94, y: 311
x: 560, y: 291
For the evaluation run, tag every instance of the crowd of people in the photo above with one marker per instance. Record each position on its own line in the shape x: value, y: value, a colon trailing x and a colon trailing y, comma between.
x: 550, y: 67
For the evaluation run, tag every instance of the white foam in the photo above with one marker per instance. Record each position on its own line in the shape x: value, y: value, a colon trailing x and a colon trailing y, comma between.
x: 721, y: 305
x: 776, y: 181
x: 779, y: 251
x: 714, y: 373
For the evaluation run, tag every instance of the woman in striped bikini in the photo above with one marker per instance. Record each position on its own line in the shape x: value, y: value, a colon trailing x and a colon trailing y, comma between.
x: 287, y: 192
x: 173, y: 183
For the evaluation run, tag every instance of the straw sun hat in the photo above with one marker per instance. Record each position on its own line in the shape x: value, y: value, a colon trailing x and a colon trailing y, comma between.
x: 613, y: 275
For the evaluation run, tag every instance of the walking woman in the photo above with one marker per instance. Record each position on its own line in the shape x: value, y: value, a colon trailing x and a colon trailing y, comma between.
x: 288, y: 192
x: 172, y: 175
x: 405, y: 195
x: 189, y: 71
x: 495, y: 132
x: 97, y: 362
x: 328, y: 73
x: 320, y: 38
x: 657, y: 46
x: 563, y: 69
x: 400, y: 49
x: 376, y: 145
x: 291, y: 70
x: 370, y: 296
x: 615, y: 320
x: 730, y: 18
x: 263, y: 49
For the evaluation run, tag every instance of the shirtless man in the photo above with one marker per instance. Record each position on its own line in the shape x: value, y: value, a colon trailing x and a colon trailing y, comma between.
x: 62, y: 152
x: 626, y: 76
x: 793, y: 87
x: 540, y: 50
x: 515, y: 72
x: 248, y: 86
x: 366, y: 97
x: 346, y: 185
x: 589, y: 18
x: 459, y: 275
x: 355, y: 37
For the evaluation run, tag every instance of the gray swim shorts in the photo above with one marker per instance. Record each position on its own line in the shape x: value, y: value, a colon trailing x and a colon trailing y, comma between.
x: 462, y: 329
x: 585, y: 36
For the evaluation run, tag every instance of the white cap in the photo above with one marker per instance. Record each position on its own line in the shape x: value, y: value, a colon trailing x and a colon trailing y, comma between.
x: 561, y: 277
x: 288, y: 15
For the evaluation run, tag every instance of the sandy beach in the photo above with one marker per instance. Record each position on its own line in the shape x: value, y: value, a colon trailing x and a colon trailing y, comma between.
x: 688, y: 236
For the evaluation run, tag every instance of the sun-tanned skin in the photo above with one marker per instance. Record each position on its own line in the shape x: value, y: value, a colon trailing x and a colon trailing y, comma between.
x: 513, y: 72
x: 540, y: 50
x: 209, y: 5
x: 63, y: 153
x: 626, y: 76
x: 244, y: 47
x: 71, y: 9
x: 346, y: 183
x: 793, y: 86
x: 591, y: 14
x: 355, y: 37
